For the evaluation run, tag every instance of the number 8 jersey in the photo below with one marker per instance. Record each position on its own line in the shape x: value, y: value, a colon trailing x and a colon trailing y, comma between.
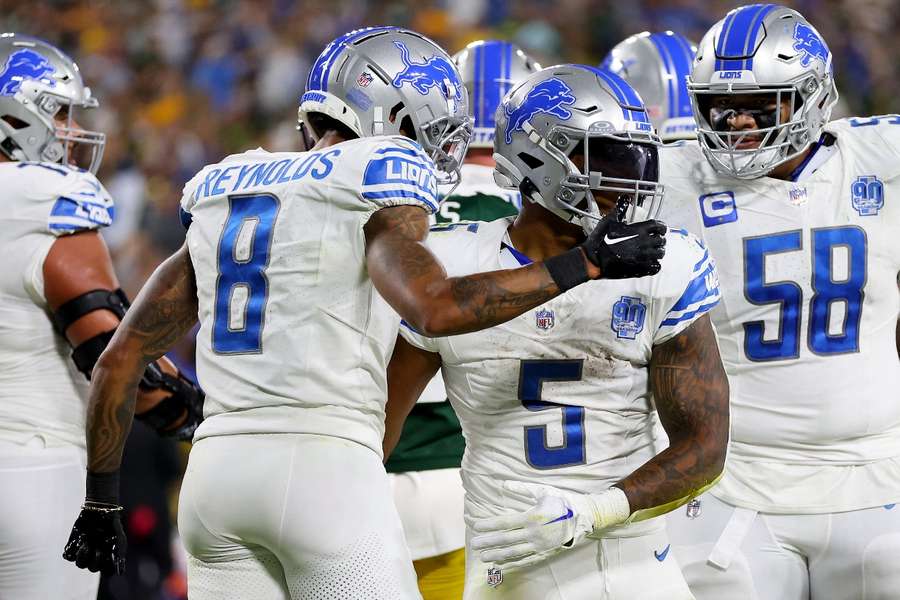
x: 808, y: 319
x: 293, y: 336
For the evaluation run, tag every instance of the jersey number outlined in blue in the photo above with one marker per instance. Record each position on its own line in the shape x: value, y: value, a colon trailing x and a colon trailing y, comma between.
x: 532, y: 375
x: 789, y: 295
x: 248, y: 272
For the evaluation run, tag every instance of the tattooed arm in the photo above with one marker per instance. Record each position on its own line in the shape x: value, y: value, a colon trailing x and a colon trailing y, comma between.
x: 78, y: 264
x: 163, y: 312
x: 412, y: 280
x: 691, y: 392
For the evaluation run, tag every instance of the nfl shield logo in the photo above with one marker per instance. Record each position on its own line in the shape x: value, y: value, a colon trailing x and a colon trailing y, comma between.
x: 494, y: 577
x: 544, y: 319
x: 364, y: 79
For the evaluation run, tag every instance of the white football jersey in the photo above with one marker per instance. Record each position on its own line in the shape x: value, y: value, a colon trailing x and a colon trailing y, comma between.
x: 808, y: 318
x: 41, y: 391
x: 293, y: 336
x: 560, y: 395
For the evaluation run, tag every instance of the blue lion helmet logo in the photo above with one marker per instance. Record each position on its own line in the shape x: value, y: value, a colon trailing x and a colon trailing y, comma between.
x: 810, y: 45
x: 24, y: 65
x: 434, y: 72
x: 550, y: 96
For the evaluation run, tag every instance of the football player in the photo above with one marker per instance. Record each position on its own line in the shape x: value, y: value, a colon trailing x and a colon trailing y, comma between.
x: 294, y: 264
x: 798, y: 212
x: 657, y: 65
x: 424, y: 466
x: 560, y: 473
x: 61, y: 303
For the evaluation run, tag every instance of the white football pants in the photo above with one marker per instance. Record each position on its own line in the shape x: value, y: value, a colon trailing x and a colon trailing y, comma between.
x: 43, y: 489
x: 735, y: 553
x: 291, y: 516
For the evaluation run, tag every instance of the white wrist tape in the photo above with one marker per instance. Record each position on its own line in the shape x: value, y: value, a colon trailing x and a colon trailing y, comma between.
x: 609, y: 508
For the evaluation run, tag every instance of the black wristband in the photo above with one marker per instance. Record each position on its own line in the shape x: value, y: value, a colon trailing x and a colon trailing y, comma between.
x: 567, y: 269
x: 103, y: 487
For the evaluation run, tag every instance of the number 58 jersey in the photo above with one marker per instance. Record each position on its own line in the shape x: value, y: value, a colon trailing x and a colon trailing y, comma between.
x: 560, y: 394
x: 807, y: 326
x: 293, y: 336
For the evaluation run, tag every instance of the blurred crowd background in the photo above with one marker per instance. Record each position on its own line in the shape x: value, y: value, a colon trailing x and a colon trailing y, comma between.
x: 184, y: 82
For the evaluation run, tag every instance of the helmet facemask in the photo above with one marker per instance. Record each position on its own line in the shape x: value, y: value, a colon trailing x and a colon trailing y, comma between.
x: 446, y: 140
x: 624, y: 170
x: 79, y: 146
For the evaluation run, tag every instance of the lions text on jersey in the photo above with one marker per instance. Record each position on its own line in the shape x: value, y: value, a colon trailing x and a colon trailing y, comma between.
x: 288, y: 316
x: 807, y: 326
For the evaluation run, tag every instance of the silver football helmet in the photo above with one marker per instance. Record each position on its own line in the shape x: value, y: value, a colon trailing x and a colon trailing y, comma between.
x: 770, y: 51
x: 381, y: 79
x: 657, y: 65
x: 37, y: 81
x: 570, y: 110
x: 489, y: 69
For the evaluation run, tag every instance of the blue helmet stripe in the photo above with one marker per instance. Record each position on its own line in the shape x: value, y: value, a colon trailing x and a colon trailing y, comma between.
x: 491, y: 86
x: 492, y: 65
x: 662, y: 43
x: 682, y: 57
x: 723, y: 34
x: 749, y: 47
x: 321, y: 69
x: 477, y: 88
x: 507, y: 72
x: 732, y: 41
x: 626, y: 96
x: 738, y: 35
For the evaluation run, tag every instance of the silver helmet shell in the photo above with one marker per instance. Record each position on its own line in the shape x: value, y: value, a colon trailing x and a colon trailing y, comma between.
x: 489, y: 69
x: 762, y: 49
x: 542, y: 120
x: 37, y: 81
x: 379, y: 79
x: 657, y: 65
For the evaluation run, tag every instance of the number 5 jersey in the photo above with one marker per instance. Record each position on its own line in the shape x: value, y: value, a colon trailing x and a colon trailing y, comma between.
x: 808, y: 318
x: 560, y: 395
x: 293, y: 336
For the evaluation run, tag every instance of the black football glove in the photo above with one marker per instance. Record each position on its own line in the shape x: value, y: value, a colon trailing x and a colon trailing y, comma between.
x: 625, y: 250
x: 97, y: 541
x: 185, y: 397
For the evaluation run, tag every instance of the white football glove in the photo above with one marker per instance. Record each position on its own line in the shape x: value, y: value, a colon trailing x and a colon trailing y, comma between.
x: 558, y: 520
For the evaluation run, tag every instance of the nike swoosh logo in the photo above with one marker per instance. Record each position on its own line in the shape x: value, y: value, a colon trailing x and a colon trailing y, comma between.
x: 610, y: 241
x: 569, y: 514
x: 661, y: 556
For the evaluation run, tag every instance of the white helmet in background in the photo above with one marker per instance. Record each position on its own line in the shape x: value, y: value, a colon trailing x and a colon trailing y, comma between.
x: 489, y: 69
x: 657, y: 65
